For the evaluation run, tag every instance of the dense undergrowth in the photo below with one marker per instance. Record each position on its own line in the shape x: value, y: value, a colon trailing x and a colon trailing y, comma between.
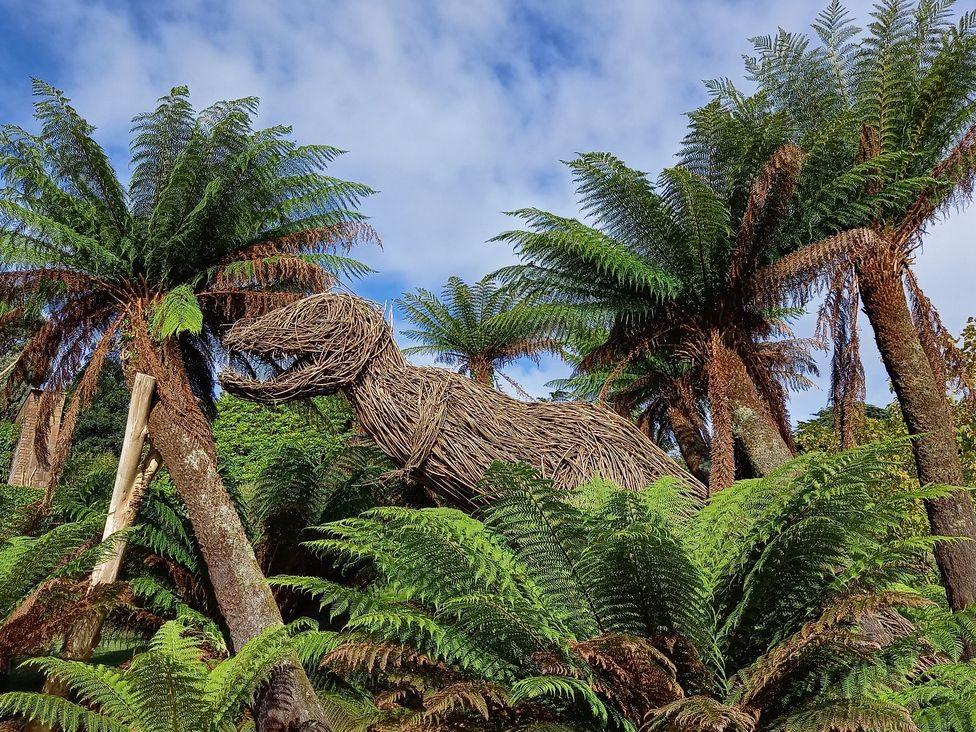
x: 806, y: 600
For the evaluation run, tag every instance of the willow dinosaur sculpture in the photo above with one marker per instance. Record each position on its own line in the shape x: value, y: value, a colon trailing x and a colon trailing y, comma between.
x: 442, y: 429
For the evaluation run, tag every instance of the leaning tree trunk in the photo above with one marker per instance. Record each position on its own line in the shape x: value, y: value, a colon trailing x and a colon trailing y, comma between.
x: 925, y: 409
x: 752, y: 422
x: 181, y: 433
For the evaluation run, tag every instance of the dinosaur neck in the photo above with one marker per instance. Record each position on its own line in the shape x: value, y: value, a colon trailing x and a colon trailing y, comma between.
x: 389, y: 398
x: 385, y: 365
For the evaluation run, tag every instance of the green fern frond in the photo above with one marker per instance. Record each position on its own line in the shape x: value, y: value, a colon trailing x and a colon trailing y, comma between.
x: 56, y: 713
x: 230, y: 686
x: 563, y: 689
x: 178, y: 312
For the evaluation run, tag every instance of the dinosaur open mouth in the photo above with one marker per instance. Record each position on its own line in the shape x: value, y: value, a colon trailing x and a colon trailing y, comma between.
x: 262, y: 372
x: 269, y: 378
x: 314, y: 346
x: 271, y: 357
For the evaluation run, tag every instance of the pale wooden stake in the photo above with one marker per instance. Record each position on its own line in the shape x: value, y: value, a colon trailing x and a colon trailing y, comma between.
x: 135, y: 472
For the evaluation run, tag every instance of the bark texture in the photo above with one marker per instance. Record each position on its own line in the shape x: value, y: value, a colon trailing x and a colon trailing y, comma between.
x: 752, y: 423
x: 26, y: 468
x: 288, y: 703
x: 482, y: 371
x: 285, y: 699
x: 689, y: 433
x: 925, y: 409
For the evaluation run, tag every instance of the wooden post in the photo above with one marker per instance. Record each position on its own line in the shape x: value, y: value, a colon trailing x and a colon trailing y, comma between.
x: 135, y: 472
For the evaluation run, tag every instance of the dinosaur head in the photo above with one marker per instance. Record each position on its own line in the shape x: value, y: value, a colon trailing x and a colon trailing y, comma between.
x: 312, y: 347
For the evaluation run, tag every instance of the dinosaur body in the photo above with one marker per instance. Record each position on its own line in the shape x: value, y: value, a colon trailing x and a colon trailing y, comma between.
x: 443, y: 429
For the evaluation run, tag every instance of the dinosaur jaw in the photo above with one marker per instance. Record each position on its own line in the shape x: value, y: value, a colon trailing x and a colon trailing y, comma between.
x: 314, y: 346
x: 293, y: 379
x: 270, y: 372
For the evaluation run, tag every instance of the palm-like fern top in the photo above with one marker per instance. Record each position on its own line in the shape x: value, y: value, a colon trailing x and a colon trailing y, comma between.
x: 893, y: 105
x: 220, y: 221
x: 900, y: 91
x: 479, y: 328
x: 204, y: 186
x: 672, y: 261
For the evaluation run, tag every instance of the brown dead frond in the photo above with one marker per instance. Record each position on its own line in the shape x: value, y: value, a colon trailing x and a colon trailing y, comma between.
x: 401, y: 694
x: 81, y: 398
x: 701, y: 714
x: 631, y: 671
x: 948, y: 362
x: 869, y: 145
x: 22, y: 284
x: 57, y: 354
x: 371, y: 658
x: 804, y: 270
x: 232, y: 305
x: 480, y: 697
x: 60, y: 340
x: 838, y: 629
x: 774, y: 366
x: 768, y: 200
x: 837, y: 322
x: 620, y: 367
x: 955, y: 175
x: 47, y: 611
x: 343, y: 235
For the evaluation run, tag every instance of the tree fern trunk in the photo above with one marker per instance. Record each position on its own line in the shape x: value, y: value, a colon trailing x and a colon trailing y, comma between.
x: 282, y: 703
x: 482, y: 371
x: 184, y: 440
x: 752, y: 423
x: 925, y: 409
x: 689, y: 435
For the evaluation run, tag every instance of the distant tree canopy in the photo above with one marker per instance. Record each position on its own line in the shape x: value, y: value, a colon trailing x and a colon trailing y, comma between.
x: 101, y: 427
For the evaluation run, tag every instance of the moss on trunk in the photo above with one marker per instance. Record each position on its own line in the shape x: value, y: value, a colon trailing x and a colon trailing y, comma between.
x: 753, y: 425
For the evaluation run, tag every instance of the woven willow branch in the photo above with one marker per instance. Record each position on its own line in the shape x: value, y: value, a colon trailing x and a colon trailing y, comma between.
x: 443, y: 429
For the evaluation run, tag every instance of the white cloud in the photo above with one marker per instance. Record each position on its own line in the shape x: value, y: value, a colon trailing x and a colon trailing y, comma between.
x: 454, y: 111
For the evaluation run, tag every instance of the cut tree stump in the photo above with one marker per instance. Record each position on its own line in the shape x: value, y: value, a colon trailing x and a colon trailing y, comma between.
x: 25, y: 468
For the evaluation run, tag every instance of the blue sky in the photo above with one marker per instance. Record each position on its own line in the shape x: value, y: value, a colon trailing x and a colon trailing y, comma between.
x: 454, y: 111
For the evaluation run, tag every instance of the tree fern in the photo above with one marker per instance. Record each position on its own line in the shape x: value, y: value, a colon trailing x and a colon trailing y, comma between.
x: 482, y: 327
x: 169, y: 686
x: 773, y: 620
